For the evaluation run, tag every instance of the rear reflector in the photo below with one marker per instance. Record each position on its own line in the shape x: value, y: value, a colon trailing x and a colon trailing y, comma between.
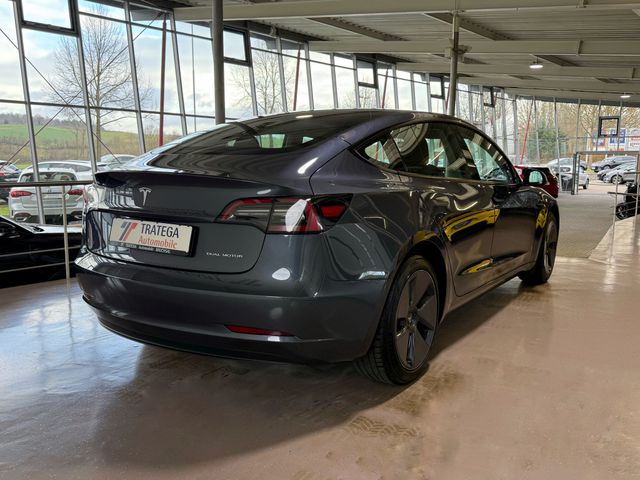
x: 287, y: 214
x: 257, y: 331
x: 20, y: 193
x: 75, y: 191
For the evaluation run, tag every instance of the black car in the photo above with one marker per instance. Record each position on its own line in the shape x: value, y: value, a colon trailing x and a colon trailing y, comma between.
x: 8, y: 173
x: 312, y: 236
x: 629, y: 206
x: 32, y: 253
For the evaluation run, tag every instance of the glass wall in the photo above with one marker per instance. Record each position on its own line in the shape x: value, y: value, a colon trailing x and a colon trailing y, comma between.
x: 138, y: 78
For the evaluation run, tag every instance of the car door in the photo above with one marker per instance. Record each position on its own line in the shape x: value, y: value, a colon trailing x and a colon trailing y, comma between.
x: 448, y: 198
x: 14, y: 248
x: 517, y: 206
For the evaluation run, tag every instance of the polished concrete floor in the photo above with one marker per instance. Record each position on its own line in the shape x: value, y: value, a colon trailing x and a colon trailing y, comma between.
x: 526, y: 383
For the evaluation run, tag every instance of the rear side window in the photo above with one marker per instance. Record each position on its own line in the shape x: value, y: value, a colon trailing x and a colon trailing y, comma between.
x: 430, y: 149
x: 433, y: 149
x: 382, y: 153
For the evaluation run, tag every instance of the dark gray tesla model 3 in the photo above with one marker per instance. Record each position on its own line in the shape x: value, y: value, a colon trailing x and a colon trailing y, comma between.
x: 316, y: 236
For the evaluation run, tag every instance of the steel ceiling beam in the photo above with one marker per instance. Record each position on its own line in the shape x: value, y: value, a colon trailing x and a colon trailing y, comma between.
x: 562, y: 62
x: 353, y: 28
x: 342, y: 8
x: 606, y: 47
x: 505, y: 69
x: 584, y: 85
x: 469, y: 26
x: 570, y: 95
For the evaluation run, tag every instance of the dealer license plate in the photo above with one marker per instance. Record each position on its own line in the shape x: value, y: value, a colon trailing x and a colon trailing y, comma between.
x: 151, y: 236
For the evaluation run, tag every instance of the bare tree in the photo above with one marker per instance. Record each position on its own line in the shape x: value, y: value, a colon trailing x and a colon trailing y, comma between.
x: 266, y: 73
x: 109, y: 79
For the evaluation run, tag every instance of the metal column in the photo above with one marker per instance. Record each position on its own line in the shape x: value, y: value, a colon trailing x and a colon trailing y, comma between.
x: 355, y: 79
x: 334, y: 83
x: 535, y: 122
x: 453, y: 73
x: 176, y: 61
x: 309, y: 81
x: 27, y: 106
x: 516, y: 121
x: 283, y: 86
x: 134, y: 79
x: 217, y: 37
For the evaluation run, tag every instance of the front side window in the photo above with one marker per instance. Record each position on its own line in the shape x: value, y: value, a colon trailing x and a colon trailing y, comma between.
x: 486, y: 158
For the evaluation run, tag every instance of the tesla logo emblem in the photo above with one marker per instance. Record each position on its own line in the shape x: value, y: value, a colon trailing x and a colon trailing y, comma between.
x: 145, y: 191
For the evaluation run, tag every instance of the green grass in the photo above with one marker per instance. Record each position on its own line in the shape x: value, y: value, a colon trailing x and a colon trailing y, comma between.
x: 56, y: 143
x: 48, y: 134
x: 4, y: 210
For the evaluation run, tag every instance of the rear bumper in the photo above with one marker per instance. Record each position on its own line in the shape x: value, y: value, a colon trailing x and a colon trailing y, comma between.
x: 17, y: 210
x: 190, y: 312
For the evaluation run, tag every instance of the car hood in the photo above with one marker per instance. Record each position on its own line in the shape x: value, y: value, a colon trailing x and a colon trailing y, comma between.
x: 48, y: 229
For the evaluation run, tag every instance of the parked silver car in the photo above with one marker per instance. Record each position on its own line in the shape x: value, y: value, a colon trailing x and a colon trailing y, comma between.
x: 622, y: 174
x: 23, y: 205
x: 566, y: 174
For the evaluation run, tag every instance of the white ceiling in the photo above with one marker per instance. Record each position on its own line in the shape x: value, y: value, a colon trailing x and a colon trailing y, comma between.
x: 590, y: 48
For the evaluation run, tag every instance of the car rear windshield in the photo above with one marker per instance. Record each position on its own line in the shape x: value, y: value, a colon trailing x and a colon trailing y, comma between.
x: 49, y: 177
x: 263, y: 135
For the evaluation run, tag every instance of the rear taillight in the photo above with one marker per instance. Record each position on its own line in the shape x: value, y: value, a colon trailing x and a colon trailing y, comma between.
x: 287, y: 214
x: 75, y: 191
x: 20, y: 193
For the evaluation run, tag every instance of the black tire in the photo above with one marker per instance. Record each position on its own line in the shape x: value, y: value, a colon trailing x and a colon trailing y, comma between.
x: 617, y: 180
x: 400, y: 350
x: 586, y: 184
x: 546, y: 258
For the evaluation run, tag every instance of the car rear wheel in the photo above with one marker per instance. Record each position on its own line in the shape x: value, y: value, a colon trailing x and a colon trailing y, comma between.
x: 406, y: 331
x: 586, y: 184
x: 546, y: 258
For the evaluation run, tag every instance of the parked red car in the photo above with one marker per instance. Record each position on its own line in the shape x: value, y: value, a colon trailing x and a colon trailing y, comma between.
x: 539, y: 175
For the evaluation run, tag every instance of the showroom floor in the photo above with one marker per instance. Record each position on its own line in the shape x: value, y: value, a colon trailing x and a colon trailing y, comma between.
x: 526, y: 383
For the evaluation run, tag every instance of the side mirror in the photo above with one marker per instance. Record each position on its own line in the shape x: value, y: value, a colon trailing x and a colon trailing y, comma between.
x: 533, y: 177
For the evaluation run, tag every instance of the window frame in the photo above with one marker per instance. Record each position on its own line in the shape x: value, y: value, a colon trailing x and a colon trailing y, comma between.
x: 358, y: 150
x: 73, y: 29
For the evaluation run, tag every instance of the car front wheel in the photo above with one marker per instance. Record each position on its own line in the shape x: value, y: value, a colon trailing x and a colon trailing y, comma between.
x: 546, y: 258
x: 406, y: 331
x: 616, y: 179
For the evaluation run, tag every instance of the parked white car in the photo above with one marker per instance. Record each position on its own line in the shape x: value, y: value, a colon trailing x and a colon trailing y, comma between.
x: 81, y: 168
x: 23, y: 205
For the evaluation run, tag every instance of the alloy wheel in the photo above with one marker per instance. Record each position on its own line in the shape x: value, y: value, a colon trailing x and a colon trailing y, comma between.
x: 416, y: 319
